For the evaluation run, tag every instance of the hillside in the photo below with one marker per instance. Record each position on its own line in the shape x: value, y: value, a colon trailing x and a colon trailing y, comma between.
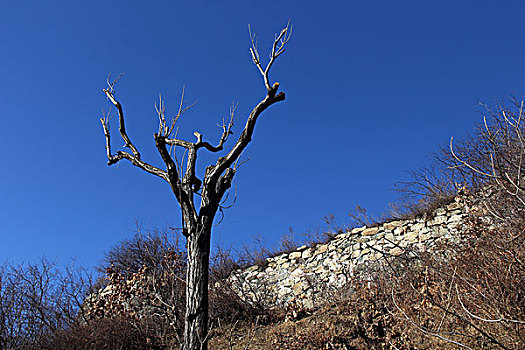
x: 447, y: 274
x: 395, y: 285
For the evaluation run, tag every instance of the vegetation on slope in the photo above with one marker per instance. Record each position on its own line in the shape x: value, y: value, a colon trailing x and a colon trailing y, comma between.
x: 471, y: 296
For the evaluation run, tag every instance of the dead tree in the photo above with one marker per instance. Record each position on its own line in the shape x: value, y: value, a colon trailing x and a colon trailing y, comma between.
x: 197, y: 221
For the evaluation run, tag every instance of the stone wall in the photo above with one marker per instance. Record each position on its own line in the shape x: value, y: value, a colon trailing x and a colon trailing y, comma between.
x: 303, y: 275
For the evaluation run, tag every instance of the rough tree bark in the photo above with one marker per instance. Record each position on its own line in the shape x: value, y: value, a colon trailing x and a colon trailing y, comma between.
x: 197, y: 221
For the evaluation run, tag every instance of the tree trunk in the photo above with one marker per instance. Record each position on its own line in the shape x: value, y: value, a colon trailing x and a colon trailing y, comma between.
x: 196, y: 321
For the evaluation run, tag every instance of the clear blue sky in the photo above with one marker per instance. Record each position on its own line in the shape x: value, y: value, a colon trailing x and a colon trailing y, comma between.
x: 372, y: 87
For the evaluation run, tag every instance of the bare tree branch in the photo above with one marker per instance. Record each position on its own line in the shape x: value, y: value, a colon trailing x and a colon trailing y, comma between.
x: 467, y: 164
x: 244, y: 139
x: 277, y: 49
x: 134, y: 158
x: 501, y: 319
x: 113, y: 159
x: 226, y: 132
x: 122, y: 126
x: 426, y: 331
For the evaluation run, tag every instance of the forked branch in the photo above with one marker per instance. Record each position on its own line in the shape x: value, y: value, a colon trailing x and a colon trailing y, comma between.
x: 122, y: 126
x: 278, y: 48
x: 467, y: 164
x: 226, y: 132
x: 134, y: 158
x: 165, y: 130
x: 272, y: 97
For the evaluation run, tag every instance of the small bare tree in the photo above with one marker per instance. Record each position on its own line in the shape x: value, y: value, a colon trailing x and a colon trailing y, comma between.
x: 197, y: 222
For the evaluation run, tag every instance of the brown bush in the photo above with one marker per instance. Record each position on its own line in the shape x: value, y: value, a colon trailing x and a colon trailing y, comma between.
x: 110, y: 334
x: 473, y: 296
x: 154, y: 295
x: 475, y: 299
x: 147, y: 247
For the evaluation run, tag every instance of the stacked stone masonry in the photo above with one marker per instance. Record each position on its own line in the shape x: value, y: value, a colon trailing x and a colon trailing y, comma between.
x: 302, y: 275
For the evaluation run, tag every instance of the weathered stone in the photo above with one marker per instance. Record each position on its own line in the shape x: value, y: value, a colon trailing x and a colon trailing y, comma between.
x: 345, y: 257
x: 440, y: 211
x: 295, y: 255
x: 108, y: 290
x: 442, y: 231
x: 396, y: 251
x: 370, y: 231
x: 297, y: 272
x: 365, y: 251
x: 297, y: 288
x: 321, y: 248
x: 304, y: 273
x: 317, y: 269
x: 342, y: 236
x: 400, y: 230
x: 421, y: 247
x: 306, y: 253
x: 252, y: 268
x: 411, y: 237
x: 417, y: 227
x: 282, y: 257
x: 358, y: 229
x: 392, y: 225
x: 308, y: 303
x: 454, y: 218
x: 454, y: 206
x: 437, y: 220
x: 284, y: 291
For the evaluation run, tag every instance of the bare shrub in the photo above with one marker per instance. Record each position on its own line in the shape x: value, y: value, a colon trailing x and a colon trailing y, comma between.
x: 473, y: 299
x: 38, y: 300
x: 147, y: 247
x: 256, y: 252
x: 152, y: 299
x: 45, y: 307
x: 226, y: 306
x: 429, y: 188
x: 104, y: 334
